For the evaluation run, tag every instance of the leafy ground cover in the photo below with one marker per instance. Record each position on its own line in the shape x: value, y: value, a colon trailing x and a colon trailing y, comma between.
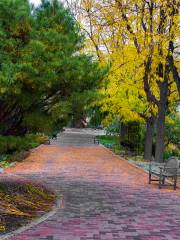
x: 108, y: 140
x: 21, y: 203
x: 14, y: 149
x: 137, y: 155
x: 113, y: 142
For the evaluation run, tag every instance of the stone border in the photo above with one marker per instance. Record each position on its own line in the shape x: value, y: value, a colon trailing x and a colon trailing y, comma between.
x: 132, y: 164
x: 123, y: 159
x: 57, y: 205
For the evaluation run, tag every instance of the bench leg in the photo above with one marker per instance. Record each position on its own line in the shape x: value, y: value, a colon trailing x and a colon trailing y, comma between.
x: 175, y: 182
x: 163, y: 180
x: 160, y: 184
x: 149, y: 178
x: 160, y: 181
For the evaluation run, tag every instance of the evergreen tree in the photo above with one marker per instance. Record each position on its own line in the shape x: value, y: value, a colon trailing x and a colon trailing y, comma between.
x: 42, y: 69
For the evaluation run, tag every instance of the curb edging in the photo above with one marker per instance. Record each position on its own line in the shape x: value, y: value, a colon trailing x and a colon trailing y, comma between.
x: 57, y: 205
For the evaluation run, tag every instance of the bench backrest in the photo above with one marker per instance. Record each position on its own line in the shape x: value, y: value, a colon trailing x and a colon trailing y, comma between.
x: 171, y: 165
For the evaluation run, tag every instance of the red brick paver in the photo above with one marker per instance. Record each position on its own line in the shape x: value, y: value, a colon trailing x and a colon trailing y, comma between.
x: 105, y: 198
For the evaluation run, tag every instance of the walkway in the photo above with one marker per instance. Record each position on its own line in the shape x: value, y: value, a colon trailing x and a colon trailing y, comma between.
x: 105, y: 198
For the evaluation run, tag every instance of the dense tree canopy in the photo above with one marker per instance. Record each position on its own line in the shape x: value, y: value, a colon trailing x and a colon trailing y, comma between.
x: 140, y: 39
x: 44, y: 76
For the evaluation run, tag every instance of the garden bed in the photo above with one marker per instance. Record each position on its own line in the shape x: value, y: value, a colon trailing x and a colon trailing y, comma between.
x: 14, y: 149
x: 22, y: 203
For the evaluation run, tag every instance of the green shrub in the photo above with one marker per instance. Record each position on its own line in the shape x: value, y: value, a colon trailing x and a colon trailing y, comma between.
x: 169, y: 153
x: 113, y: 128
x: 107, y: 139
x: 12, y: 144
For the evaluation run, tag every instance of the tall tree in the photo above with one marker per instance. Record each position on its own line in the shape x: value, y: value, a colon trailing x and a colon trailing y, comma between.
x: 152, y: 27
x: 42, y: 67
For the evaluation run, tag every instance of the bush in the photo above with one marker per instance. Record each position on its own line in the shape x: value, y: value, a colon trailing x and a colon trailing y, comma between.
x: 113, y: 128
x: 132, y: 139
x: 106, y: 139
x: 171, y: 150
x: 12, y: 144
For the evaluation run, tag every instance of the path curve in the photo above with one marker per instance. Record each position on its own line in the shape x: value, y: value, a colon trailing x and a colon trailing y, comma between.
x: 105, y: 198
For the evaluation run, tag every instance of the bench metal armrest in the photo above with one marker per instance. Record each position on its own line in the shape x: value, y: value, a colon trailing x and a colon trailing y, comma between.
x: 170, y: 168
x: 156, y: 165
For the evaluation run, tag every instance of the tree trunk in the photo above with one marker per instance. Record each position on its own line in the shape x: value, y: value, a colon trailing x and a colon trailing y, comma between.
x: 160, y: 135
x: 161, y: 118
x: 149, y: 138
x: 123, y: 132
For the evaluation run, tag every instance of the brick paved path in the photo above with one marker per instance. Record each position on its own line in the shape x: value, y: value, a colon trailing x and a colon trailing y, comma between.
x: 105, y: 198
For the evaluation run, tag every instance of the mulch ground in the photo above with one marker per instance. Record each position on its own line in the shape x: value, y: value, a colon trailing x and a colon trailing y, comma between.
x: 21, y: 203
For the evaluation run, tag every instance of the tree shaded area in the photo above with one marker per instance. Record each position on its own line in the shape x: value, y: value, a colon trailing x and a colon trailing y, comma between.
x: 43, y: 74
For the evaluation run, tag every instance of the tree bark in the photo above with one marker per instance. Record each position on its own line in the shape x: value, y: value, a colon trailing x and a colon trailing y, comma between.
x: 123, y: 132
x: 162, y: 106
x: 149, y: 138
x: 173, y: 68
x: 160, y: 135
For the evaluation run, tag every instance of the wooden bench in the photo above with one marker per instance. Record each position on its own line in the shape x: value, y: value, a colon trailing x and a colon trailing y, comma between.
x: 170, y: 169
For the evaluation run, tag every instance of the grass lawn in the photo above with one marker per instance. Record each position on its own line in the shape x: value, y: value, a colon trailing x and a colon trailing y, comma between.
x: 110, y: 142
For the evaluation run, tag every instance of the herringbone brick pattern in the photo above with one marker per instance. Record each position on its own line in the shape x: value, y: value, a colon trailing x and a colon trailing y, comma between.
x: 105, y: 198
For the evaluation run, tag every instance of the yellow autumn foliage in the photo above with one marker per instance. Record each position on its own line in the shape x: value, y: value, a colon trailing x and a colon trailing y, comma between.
x: 126, y: 33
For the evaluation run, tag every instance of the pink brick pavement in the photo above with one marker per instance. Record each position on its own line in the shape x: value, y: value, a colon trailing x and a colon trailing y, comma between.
x: 105, y: 198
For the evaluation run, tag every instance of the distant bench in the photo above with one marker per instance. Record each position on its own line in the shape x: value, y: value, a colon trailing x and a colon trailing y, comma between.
x: 96, y: 140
